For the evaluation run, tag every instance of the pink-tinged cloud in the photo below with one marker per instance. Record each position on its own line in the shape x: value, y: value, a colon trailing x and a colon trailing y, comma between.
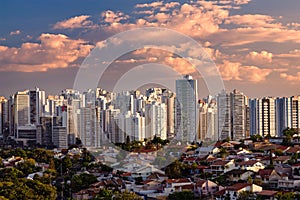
x: 195, y: 20
x: 263, y: 57
x: 147, y: 5
x: 113, y: 17
x: 293, y: 79
x: 16, y: 32
x: 240, y: 2
x: 53, y: 51
x: 75, y: 22
x: 253, y: 20
x: 235, y: 71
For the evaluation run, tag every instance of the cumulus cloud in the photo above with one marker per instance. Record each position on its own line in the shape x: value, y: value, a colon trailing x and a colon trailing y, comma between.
x: 113, y: 17
x: 294, y: 79
x: 75, y: 22
x: 235, y: 71
x: 253, y: 20
x: 53, y: 51
x: 16, y: 32
x: 147, y: 5
x: 262, y: 57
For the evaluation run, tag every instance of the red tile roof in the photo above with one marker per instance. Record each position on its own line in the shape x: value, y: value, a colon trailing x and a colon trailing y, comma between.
x: 220, y: 163
x: 238, y: 186
x: 282, y: 158
x: 178, y: 180
x: 267, y: 193
x: 265, y: 172
x: 248, y: 163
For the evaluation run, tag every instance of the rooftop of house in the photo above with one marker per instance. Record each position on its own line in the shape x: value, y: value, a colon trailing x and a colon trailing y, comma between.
x: 238, y: 186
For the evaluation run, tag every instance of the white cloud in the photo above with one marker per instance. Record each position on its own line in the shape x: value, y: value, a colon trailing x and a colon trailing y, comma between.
x: 53, y: 51
x: 75, y: 22
x: 17, y: 32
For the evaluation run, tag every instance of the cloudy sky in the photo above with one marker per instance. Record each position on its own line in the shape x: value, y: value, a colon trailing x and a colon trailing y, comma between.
x: 254, y: 43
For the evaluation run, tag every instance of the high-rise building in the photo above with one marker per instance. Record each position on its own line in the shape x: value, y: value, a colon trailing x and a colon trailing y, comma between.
x: 266, y: 117
x: 208, y: 121
x: 295, y: 111
x: 4, y: 116
x: 186, y: 109
x: 224, y: 115
x: 60, y: 137
x: 156, y: 120
x: 239, y: 114
x: 24, y: 131
x: 89, y: 130
x: 283, y: 114
x: 22, y: 109
x: 45, y: 130
x: 37, y: 102
x: 169, y: 100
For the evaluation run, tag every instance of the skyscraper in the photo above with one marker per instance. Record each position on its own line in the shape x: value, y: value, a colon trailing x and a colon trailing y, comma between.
x: 240, y: 125
x: 266, y: 117
x: 295, y: 111
x: 224, y: 115
x: 186, y: 109
x: 156, y: 120
x: 37, y: 102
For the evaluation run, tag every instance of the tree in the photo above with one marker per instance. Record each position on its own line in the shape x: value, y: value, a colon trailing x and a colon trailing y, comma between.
x: 175, y: 169
x: 66, y: 163
x: 285, y: 196
x: 246, y: 195
x: 181, y: 195
x: 223, y: 152
x: 104, y: 195
x: 27, y: 189
x: 82, y: 181
x: 256, y: 138
x: 288, y: 134
x: 28, y: 166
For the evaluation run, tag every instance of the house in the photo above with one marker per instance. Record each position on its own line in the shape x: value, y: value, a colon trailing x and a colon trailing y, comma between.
x: 206, y: 187
x: 269, y: 177
x: 252, y: 165
x: 289, y: 183
x: 232, y: 192
x: 282, y: 159
x: 292, y: 150
x: 227, y: 145
x: 210, y: 150
x: 283, y: 169
x: 219, y: 167
x: 267, y: 194
x: 172, y: 183
x: 148, y: 187
x: 296, y: 169
x: 236, y: 175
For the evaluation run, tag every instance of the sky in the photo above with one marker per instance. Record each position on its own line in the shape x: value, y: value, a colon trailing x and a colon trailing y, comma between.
x: 253, y: 43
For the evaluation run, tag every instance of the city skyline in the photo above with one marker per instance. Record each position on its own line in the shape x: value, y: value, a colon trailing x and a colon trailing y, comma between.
x: 253, y: 43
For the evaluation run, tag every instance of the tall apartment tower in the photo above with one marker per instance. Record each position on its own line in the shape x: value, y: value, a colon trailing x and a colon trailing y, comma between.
x: 156, y: 120
x: 24, y: 131
x: 169, y: 100
x: 37, y: 103
x: 239, y: 114
x: 186, y: 109
x: 295, y: 111
x: 4, y: 116
x: 224, y: 115
x: 283, y: 114
x: 266, y: 117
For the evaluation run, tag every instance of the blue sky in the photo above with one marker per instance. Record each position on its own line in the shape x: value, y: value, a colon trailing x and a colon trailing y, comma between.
x: 254, y: 43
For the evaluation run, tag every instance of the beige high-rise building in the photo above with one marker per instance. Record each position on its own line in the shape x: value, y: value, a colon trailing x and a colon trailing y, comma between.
x: 239, y: 114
